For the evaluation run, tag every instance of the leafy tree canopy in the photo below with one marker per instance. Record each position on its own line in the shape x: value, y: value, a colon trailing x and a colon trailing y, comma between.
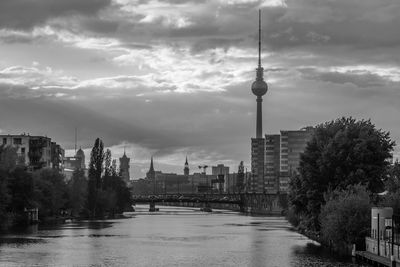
x: 341, y: 152
x: 392, y: 183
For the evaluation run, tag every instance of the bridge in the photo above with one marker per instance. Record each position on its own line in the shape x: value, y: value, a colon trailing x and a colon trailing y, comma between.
x: 259, y: 203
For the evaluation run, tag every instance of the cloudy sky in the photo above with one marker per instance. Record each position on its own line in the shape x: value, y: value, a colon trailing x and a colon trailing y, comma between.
x: 171, y: 78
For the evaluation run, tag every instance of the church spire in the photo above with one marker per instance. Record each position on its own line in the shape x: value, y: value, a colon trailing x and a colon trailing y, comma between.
x: 151, y: 174
x: 151, y: 165
x: 186, y: 169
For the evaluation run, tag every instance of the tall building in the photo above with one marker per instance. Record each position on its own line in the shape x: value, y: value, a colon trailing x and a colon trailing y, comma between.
x: 219, y: 169
x: 259, y: 88
x: 35, y: 152
x: 272, y: 162
x: 222, y: 173
x: 293, y: 144
x: 282, y: 157
x: 124, y: 167
x: 240, y: 181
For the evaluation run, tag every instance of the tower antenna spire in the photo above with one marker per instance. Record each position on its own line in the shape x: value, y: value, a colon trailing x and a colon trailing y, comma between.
x: 259, y: 38
x: 76, y: 130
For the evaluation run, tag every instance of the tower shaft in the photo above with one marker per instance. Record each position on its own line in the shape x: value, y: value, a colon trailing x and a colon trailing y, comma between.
x: 259, y: 118
x: 259, y: 88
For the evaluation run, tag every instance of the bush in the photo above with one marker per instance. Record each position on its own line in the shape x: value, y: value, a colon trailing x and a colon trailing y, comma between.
x: 346, y: 216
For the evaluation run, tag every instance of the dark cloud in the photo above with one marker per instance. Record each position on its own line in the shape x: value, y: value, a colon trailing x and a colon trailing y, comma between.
x: 361, y: 79
x: 21, y: 14
x: 137, y: 46
x: 354, y: 23
x: 96, y: 25
x: 304, y: 43
x: 181, y: 2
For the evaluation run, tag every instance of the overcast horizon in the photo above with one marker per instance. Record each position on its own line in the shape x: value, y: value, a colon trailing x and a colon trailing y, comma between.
x: 172, y: 78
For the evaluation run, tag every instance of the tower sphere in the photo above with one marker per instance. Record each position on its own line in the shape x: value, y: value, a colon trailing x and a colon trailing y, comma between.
x: 259, y: 87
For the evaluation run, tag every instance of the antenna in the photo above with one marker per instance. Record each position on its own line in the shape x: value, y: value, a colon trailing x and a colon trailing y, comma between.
x: 76, y: 138
x: 259, y: 37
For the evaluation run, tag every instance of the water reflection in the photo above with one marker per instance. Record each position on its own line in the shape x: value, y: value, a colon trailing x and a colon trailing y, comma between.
x: 172, y: 236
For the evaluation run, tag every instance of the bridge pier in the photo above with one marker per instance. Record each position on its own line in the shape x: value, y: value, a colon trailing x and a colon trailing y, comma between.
x: 152, y: 206
x: 206, y: 207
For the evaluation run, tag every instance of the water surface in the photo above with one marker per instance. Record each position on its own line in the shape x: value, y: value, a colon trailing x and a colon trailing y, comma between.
x: 172, y: 237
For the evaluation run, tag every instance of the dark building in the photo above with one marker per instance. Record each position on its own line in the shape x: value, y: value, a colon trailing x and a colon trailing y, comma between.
x: 240, y: 181
x: 57, y: 156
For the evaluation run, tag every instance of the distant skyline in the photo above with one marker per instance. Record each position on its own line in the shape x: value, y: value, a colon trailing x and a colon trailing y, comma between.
x: 171, y: 78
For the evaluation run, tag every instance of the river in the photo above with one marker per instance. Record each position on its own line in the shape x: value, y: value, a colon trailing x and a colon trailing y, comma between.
x: 171, y: 237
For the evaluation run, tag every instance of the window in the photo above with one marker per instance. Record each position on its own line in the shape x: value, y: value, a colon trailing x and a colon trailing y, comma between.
x: 23, y: 150
x: 17, y: 141
x: 4, y: 141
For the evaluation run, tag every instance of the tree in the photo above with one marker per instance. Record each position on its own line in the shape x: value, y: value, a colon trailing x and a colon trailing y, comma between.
x: 8, y: 157
x: 124, y: 195
x: 392, y: 183
x: 77, y: 192
x: 114, y: 167
x: 21, y: 188
x: 51, y: 192
x: 108, y: 170
x: 341, y: 152
x: 95, y: 171
x: 4, y: 197
x: 345, y: 218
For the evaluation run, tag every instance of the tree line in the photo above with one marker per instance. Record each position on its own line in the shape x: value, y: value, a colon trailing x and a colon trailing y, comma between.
x: 342, y: 171
x: 102, y: 194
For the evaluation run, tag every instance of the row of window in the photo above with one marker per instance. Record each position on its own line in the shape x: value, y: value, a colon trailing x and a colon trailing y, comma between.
x: 15, y: 141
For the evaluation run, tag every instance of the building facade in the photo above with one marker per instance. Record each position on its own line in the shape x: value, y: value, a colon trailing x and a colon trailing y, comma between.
x: 35, y: 152
x: 76, y: 162
x: 282, y: 157
x: 257, y: 179
x: 272, y: 162
x: 222, y: 173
